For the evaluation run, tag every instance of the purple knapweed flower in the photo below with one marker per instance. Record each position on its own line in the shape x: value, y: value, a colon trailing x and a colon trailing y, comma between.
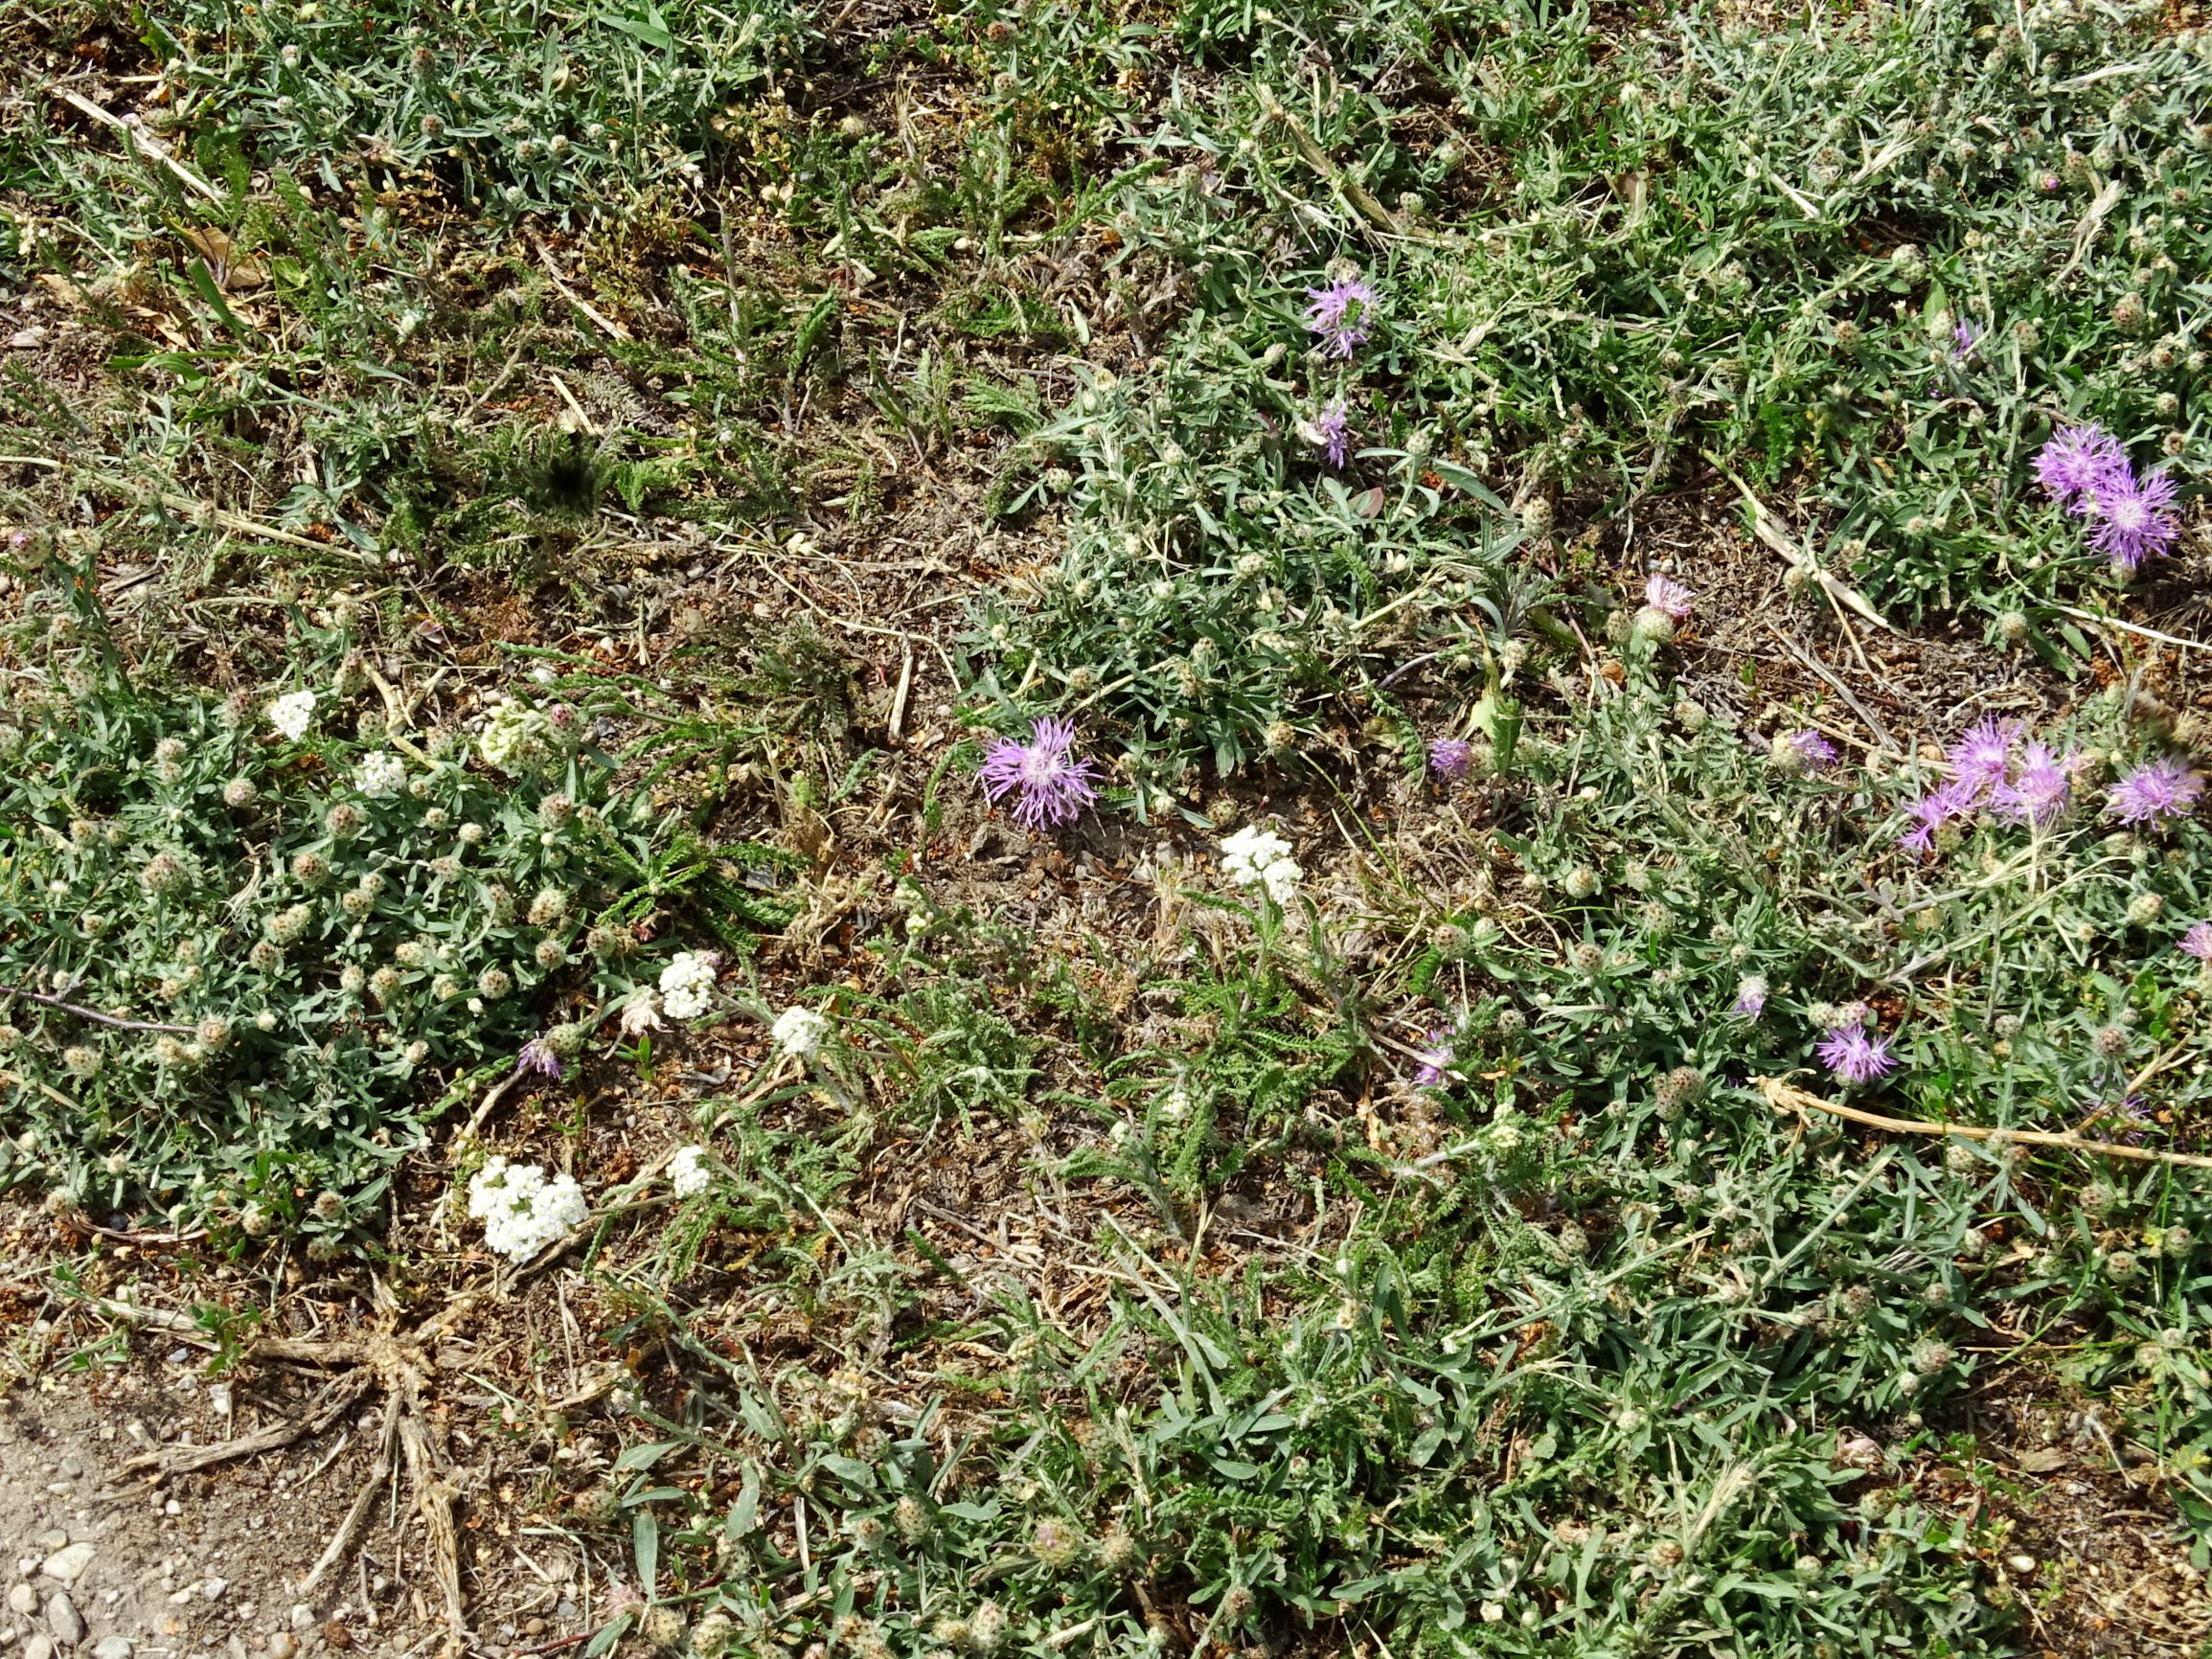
x: 2155, y: 791
x: 1663, y: 593
x: 538, y: 1055
x: 1751, y: 997
x: 2076, y: 461
x: 1434, y: 1059
x: 1340, y: 314
x: 1931, y: 812
x: 2039, y: 789
x: 1979, y: 759
x: 1965, y: 335
x: 1052, y: 785
x: 2198, y: 942
x: 1815, y: 753
x: 1328, y: 433
x: 2134, y: 519
x: 1452, y: 758
x: 1856, y: 1057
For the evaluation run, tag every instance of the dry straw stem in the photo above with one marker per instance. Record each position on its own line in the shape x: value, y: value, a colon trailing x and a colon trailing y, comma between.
x: 1785, y: 1096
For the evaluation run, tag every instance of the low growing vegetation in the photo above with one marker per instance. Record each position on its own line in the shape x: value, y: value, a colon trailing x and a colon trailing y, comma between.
x: 1335, y: 828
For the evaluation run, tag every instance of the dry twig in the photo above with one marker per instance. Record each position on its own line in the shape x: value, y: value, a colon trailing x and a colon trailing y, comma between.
x: 1785, y: 1096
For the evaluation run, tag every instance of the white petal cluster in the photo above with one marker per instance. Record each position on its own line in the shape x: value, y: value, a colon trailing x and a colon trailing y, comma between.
x: 380, y: 775
x: 687, y: 985
x: 514, y: 732
x: 688, y: 1173
x: 1254, y: 857
x: 522, y: 1208
x: 292, y: 713
x: 799, y: 1030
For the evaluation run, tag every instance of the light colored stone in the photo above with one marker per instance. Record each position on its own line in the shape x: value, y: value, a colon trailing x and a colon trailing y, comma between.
x: 303, y: 1616
x: 38, y: 1645
x: 63, y: 1619
x: 111, y: 1647
x: 23, y: 1598
x: 281, y: 1645
x: 66, y: 1566
x: 213, y: 1588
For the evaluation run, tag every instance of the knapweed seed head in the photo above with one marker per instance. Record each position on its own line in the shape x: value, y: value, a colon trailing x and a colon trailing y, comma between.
x: 1050, y: 783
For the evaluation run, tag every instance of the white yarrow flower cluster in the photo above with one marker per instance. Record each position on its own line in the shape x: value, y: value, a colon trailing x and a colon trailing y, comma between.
x: 522, y: 1208
x: 292, y: 713
x: 1255, y: 857
x: 799, y: 1030
x: 380, y: 775
x: 514, y: 731
x: 687, y: 985
x: 688, y: 1173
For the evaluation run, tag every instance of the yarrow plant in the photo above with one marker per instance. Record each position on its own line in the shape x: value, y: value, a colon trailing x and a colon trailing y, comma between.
x: 689, y: 1172
x: 522, y: 1208
x: 687, y: 985
x: 1256, y: 857
x: 1050, y: 783
x: 798, y: 1031
x: 292, y: 713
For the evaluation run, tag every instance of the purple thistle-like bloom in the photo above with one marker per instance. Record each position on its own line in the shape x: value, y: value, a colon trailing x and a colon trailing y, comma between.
x: 1052, y: 785
x: 1328, y: 433
x: 1434, y: 1059
x: 2198, y: 942
x: 1965, y: 335
x: 1340, y: 314
x: 1452, y: 758
x: 1750, y: 998
x: 2039, y: 789
x: 1979, y: 759
x: 1814, y: 751
x: 538, y: 1055
x: 2134, y: 518
x: 1663, y: 593
x: 2076, y: 461
x: 2155, y: 791
x: 1855, y: 1058
x: 1933, y: 811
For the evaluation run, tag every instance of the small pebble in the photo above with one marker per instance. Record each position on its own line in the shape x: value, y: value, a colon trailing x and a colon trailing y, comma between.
x: 38, y: 1646
x: 111, y: 1647
x: 303, y: 1616
x: 66, y: 1566
x: 63, y: 1619
x: 281, y: 1645
x: 23, y: 1598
